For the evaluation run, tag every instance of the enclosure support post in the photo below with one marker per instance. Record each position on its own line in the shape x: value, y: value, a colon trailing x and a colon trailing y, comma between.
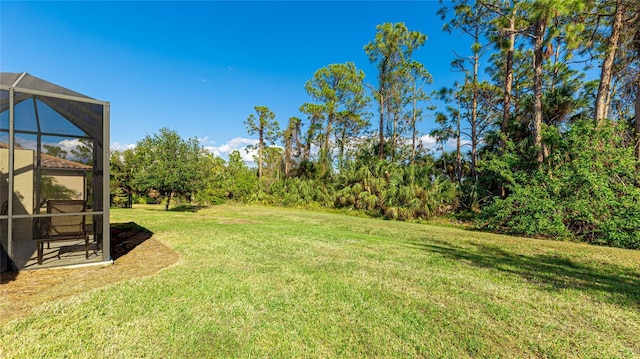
x: 106, y: 173
x: 10, y: 179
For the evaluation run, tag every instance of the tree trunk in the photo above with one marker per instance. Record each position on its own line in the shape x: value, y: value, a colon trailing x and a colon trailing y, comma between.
x: 538, y: 56
x: 287, y: 156
x: 636, y: 42
x: 393, y: 137
x: 637, y: 119
x: 508, y: 83
x: 606, y: 72
x: 444, y: 160
x: 343, y: 139
x: 637, y: 103
x: 458, y: 155
x: 554, y: 65
x: 260, y: 145
x: 327, y: 152
x: 474, y: 116
x: 458, y: 169
x: 166, y: 207
x: 310, y: 133
x: 508, y: 86
x: 516, y: 99
x: 307, y: 149
x: 381, y: 143
x: 413, y: 125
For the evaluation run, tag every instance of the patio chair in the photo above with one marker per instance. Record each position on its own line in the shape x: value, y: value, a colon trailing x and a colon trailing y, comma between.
x: 64, y: 228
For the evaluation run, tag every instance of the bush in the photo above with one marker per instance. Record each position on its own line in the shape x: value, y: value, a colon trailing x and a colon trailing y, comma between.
x: 589, y: 189
x: 527, y: 211
x: 394, y: 191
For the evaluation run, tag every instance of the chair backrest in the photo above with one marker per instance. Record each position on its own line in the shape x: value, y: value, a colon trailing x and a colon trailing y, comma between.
x: 66, y: 225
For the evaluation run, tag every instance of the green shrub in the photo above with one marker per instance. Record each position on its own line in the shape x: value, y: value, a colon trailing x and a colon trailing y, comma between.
x: 588, y: 189
x: 527, y: 211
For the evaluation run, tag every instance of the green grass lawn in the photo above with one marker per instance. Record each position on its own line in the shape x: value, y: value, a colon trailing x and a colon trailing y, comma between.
x: 269, y: 282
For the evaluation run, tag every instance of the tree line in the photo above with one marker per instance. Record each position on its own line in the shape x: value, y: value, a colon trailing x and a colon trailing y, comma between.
x: 540, y: 150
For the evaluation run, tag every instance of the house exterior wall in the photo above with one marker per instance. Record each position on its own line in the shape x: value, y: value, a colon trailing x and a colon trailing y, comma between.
x: 23, y: 190
x: 73, y: 181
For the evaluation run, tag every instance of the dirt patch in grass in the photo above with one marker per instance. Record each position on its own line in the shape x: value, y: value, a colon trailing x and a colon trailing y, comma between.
x: 135, y: 253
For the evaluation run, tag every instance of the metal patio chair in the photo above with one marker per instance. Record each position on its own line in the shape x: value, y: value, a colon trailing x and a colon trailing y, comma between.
x: 64, y: 228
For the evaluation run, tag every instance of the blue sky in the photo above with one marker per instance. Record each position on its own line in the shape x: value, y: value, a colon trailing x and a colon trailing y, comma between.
x: 200, y: 67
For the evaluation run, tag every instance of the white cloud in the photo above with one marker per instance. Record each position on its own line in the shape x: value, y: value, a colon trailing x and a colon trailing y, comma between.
x: 205, y: 140
x: 238, y: 143
x: 431, y: 143
x: 69, y: 145
x: 66, y: 144
x: 117, y: 146
x: 450, y: 145
x: 248, y: 156
x: 23, y: 142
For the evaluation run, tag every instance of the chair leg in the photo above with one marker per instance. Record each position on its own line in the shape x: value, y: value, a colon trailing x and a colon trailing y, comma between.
x: 40, y: 250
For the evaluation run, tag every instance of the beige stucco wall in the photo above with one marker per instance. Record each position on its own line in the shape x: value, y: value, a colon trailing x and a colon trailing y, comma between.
x: 23, y: 189
x: 73, y: 182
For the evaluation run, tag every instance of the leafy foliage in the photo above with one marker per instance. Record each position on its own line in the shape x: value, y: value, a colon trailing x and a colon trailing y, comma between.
x: 339, y: 91
x: 394, y: 191
x: 589, y: 190
x: 54, y: 151
x: 267, y: 129
x: 228, y: 181
x: 121, y: 183
x: 169, y: 164
x: 392, y: 51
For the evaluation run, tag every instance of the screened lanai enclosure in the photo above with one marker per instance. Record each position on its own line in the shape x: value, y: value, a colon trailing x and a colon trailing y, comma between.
x: 54, y: 175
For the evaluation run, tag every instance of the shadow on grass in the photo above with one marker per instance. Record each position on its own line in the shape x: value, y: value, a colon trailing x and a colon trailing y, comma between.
x: 551, y: 272
x: 6, y: 277
x: 125, y: 237
x: 186, y: 208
